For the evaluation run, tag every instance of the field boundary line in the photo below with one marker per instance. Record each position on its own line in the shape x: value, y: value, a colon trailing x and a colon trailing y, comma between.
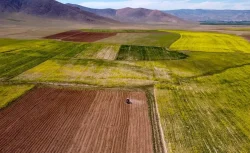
x: 165, y: 150
x: 207, y: 74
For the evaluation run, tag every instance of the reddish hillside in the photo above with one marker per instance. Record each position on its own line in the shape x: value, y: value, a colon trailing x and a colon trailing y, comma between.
x: 145, y: 15
x: 138, y: 15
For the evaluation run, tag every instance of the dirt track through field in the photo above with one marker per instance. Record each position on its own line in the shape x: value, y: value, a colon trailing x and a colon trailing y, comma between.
x: 57, y: 120
x: 79, y: 36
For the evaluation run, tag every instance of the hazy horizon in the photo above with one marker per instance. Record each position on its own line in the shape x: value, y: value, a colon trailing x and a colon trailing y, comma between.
x: 164, y: 4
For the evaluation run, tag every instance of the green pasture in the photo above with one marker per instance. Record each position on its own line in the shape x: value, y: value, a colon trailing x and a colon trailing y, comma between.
x: 210, y: 42
x: 8, y: 93
x: 207, y: 113
x: 147, y: 53
x: 160, y: 39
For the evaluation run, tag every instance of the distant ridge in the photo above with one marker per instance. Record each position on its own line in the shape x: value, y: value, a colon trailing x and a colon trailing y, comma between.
x: 211, y: 15
x: 134, y: 15
x: 51, y: 9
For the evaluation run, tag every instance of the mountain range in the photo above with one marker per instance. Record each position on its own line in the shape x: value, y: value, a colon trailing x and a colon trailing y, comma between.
x: 51, y: 9
x: 133, y: 15
x: 56, y: 10
x: 211, y: 15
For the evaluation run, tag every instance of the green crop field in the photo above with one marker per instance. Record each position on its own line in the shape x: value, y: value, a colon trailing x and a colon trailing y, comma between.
x: 128, y: 52
x: 18, y: 56
x: 210, y: 42
x: 9, y: 93
x: 160, y: 39
x: 208, y: 113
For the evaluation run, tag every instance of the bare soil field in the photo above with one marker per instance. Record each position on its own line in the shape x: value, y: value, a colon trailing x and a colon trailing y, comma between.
x: 247, y: 37
x: 63, y: 35
x: 79, y: 36
x: 89, y: 121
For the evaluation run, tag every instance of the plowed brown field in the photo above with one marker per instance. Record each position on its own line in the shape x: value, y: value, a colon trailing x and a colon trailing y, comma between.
x: 59, y: 120
x: 247, y: 37
x: 79, y: 36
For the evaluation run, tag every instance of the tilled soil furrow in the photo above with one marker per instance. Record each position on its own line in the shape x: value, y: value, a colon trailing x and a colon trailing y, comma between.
x: 60, y: 120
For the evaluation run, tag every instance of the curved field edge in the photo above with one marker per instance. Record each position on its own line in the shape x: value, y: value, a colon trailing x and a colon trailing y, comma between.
x: 9, y: 93
x: 210, y: 42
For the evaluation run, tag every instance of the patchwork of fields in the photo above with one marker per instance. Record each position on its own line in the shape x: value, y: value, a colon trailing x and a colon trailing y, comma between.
x: 200, y: 80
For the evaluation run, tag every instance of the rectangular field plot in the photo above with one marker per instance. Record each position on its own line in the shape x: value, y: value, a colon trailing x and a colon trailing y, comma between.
x: 95, y: 72
x: 210, y: 42
x: 147, y: 53
x: 80, y: 36
x: 60, y: 120
x: 162, y: 39
x: 8, y: 93
x: 99, y: 51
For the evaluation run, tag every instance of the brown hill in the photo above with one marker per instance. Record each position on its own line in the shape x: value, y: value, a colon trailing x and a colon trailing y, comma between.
x: 51, y: 9
x: 134, y: 15
x: 145, y: 15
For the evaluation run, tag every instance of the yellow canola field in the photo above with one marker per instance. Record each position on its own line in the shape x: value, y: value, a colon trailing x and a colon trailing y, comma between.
x: 210, y: 42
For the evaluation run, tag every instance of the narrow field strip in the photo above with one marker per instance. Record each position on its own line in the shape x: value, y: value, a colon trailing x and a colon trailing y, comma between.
x: 61, y: 120
x: 80, y: 36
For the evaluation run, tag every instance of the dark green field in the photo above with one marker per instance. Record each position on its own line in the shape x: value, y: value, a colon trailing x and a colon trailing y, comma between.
x: 145, y: 53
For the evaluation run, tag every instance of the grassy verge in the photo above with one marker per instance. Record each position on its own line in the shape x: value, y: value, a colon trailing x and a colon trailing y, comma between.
x: 154, y: 118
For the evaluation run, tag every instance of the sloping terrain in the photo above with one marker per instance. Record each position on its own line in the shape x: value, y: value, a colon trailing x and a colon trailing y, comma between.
x: 51, y: 9
x: 134, y: 15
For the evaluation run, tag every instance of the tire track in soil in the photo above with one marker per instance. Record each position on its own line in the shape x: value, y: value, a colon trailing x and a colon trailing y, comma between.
x: 58, y: 120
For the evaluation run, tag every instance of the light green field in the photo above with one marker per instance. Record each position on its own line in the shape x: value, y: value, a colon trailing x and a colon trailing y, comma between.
x: 99, y: 51
x: 207, y: 113
x: 210, y: 42
x: 8, y: 93
x: 162, y: 39
x: 93, y: 72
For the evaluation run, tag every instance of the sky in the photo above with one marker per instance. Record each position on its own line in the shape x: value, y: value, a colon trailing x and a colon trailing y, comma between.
x: 165, y: 4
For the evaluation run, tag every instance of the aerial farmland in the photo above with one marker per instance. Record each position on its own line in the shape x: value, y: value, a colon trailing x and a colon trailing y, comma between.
x: 78, y: 88
x: 134, y: 80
